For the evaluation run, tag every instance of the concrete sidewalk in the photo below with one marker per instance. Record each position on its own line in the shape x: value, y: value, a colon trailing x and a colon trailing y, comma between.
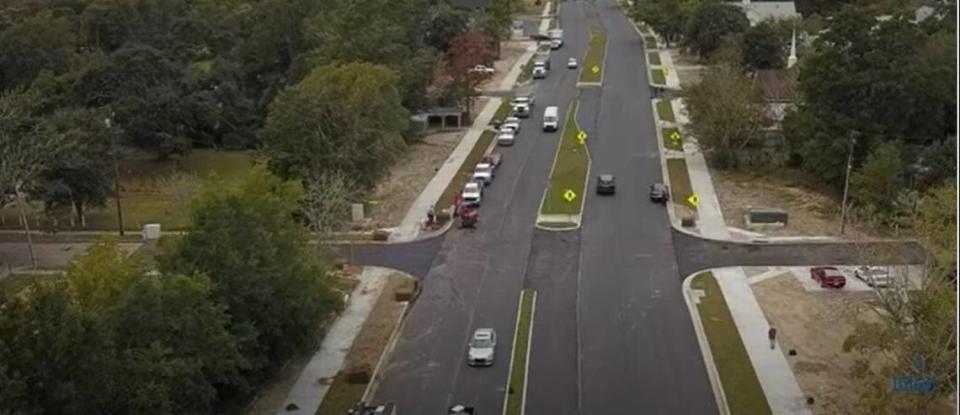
x: 314, y: 381
x: 410, y: 226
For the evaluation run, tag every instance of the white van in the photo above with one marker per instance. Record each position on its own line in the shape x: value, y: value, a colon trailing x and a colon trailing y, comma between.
x: 551, y: 121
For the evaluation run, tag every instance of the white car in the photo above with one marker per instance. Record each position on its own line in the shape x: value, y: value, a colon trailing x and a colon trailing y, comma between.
x: 873, y: 276
x: 483, y: 69
x: 505, y: 139
x: 572, y: 63
x: 482, y: 348
x: 511, y: 122
x: 528, y: 100
x: 483, y: 173
x: 556, y: 43
x: 472, y: 193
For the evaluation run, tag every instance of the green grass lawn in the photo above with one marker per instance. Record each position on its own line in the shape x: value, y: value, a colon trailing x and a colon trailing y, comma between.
x: 653, y: 58
x: 658, y: 77
x: 569, y: 170
x: 526, y: 72
x: 740, y: 385
x: 595, y: 51
x: 665, y: 110
x: 155, y: 191
x: 680, y: 188
x: 650, y: 42
x: 518, y: 369
x: 502, y: 112
x: 341, y: 396
x: 670, y: 143
x: 465, y: 172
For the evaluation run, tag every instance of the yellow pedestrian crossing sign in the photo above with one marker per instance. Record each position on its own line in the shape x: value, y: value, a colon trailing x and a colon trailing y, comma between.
x: 582, y: 137
x: 595, y: 68
x: 666, y: 71
x: 675, y: 137
x: 694, y: 200
x: 569, y: 195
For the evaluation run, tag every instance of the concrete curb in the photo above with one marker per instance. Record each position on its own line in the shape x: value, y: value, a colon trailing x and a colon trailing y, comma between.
x: 715, y: 381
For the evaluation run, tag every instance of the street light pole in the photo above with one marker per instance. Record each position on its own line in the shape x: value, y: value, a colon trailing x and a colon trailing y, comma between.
x: 846, y: 186
x: 116, y: 172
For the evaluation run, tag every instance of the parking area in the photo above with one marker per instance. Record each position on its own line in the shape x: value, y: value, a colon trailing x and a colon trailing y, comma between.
x: 900, y: 276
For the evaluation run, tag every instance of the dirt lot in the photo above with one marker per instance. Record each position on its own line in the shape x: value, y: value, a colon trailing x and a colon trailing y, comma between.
x: 688, y: 67
x: 815, y: 324
x: 811, y: 213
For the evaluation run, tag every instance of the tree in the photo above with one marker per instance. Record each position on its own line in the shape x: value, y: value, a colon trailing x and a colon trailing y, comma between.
x: 468, y: 50
x: 260, y: 265
x: 876, y: 183
x: 913, y: 339
x: 42, y: 41
x: 445, y: 24
x: 727, y: 113
x: 326, y: 202
x: 346, y: 118
x: 865, y: 77
x: 101, y: 275
x: 667, y: 18
x: 173, y: 347
x: 83, y: 177
x: 711, y: 23
x: 763, y: 48
x: 27, y: 147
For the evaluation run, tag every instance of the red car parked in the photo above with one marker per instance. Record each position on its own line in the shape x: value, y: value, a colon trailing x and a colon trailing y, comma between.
x: 828, y: 277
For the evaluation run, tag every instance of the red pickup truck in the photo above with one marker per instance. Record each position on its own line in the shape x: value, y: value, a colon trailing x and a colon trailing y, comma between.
x: 828, y: 277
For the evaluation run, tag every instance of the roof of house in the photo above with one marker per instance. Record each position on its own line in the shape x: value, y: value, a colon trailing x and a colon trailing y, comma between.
x: 778, y: 85
x: 758, y: 11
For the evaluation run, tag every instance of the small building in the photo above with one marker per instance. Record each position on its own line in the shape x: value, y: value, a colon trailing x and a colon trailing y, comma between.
x: 438, y: 118
x: 758, y: 11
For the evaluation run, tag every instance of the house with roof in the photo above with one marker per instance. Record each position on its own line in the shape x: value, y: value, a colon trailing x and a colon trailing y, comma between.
x: 758, y: 11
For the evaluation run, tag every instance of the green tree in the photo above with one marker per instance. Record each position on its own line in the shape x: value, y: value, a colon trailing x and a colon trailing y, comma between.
x: 261, y: 268
x: 101, y: 275
x: 445, y: 24
x: 876, y: 183
x: 711, y: 23
x: 727, y: 113
x: 345, y: 118
x: 42, y: 41
x: 763, y: 48
x: 914, y: 334
x: 667, y: 18
x: 173, y: 347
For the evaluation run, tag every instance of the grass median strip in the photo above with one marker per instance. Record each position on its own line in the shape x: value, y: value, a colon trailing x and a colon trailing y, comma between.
x: 650, y: 42
x: 653, y: 58
x: 658, y: 77
x: 665, y: 110
x: 680, y: 188
x: 516, y: 387
x: 740, y: 385
x: 569, y: 170
x: 502, y: 112
x: 592, y: 70
x: 466, y: 170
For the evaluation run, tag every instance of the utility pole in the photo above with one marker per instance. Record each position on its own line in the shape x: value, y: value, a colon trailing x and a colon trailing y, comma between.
x: 846, y: 185
x: 116, y: 172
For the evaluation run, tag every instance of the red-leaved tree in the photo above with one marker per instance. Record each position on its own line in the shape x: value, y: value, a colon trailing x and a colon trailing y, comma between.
x: 467, y: 50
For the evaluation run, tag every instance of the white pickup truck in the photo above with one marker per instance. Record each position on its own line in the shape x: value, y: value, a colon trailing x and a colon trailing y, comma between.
x: 522, y: 106
x: 483, y: 173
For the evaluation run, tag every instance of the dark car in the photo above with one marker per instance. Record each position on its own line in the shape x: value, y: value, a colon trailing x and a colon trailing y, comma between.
x: 606, y: 185
x: 828, y: 277
x: 659, y: 193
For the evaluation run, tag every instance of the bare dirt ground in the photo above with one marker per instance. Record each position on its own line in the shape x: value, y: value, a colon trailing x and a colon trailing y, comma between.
x: 811, y: 213
x: 411, y: 173
x: 815, y: 324
x: 689, y: 68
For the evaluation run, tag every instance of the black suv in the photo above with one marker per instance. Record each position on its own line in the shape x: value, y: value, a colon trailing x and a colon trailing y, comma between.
x: 606, y: 185
x: 659, y: 193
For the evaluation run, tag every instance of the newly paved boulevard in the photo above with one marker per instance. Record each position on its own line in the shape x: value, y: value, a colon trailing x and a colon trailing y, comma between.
x: 612, y: 333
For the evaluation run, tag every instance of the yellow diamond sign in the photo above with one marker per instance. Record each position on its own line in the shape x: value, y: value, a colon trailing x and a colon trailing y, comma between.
x: 666, y: 71
x: 595, y: 69
x: 582, y: 137
x: 569, y: 195
x: 694, y: 200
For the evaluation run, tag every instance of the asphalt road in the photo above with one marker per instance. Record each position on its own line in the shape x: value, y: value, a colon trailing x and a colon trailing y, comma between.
x: 476, y: 277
